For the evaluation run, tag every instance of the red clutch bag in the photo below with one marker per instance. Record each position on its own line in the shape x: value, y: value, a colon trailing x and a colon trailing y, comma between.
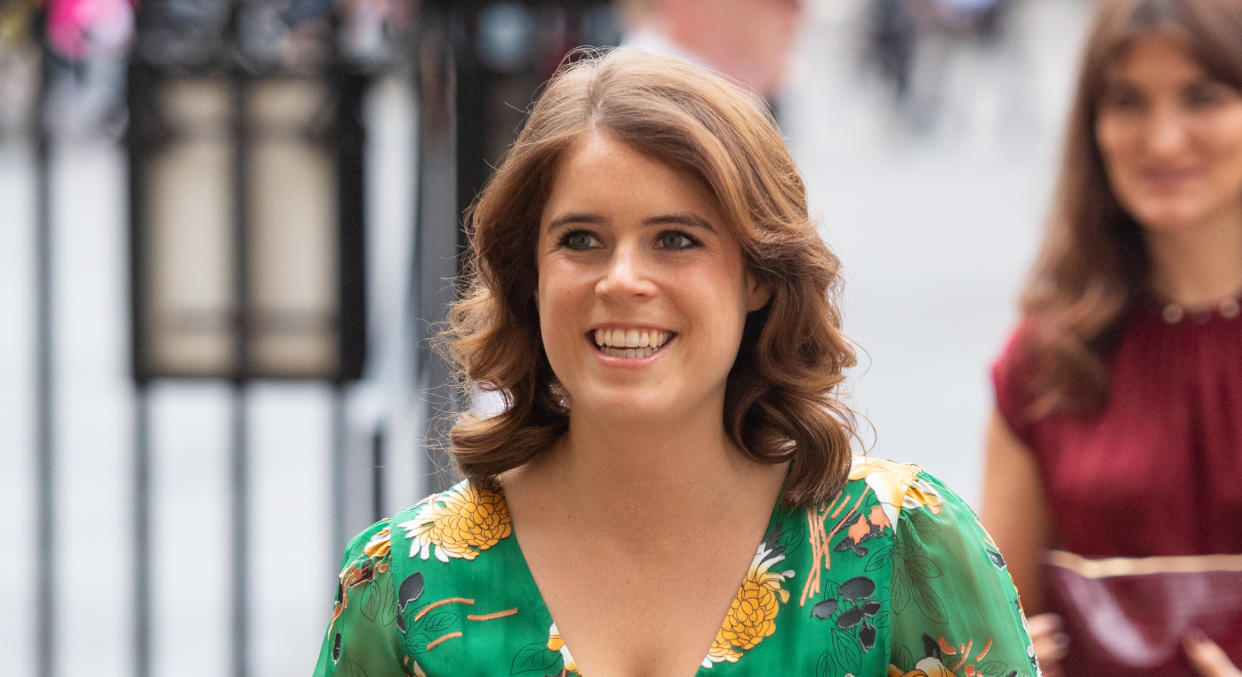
x: 1128, y: 616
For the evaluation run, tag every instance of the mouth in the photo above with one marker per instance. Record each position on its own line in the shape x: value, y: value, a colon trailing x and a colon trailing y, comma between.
x: 1167, y: 176
x: 631, y: 343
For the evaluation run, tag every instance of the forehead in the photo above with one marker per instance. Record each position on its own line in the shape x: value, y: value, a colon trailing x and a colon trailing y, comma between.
x: 1155, y: 60
x: 598, y: 166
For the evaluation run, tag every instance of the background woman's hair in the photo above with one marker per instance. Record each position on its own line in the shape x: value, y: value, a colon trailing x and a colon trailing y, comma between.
x: 1094, y: 268
x: 781, y: 399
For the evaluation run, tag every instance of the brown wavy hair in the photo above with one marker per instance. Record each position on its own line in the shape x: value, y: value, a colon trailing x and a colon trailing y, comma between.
x: 781, y: 400
x: 1094, y: 266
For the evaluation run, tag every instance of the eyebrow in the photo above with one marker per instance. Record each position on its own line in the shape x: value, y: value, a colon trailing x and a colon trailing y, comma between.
x: 684, y: 219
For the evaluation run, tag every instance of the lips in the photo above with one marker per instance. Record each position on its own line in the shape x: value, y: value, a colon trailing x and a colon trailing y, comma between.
x: 631, y: 343
x: 1167, y: 176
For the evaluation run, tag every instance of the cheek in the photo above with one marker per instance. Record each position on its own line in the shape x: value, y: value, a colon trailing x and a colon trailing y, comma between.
x: 1231, y: 157
x: 1108, y: 139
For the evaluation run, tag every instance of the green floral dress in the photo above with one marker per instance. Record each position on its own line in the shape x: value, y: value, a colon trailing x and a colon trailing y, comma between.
x: 895, y: 577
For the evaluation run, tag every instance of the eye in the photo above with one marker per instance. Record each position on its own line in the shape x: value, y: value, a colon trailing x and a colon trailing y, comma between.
x: 675, y: 240
x: 1205, y: 94
x: 1123, y: 99
x: 578, y: 240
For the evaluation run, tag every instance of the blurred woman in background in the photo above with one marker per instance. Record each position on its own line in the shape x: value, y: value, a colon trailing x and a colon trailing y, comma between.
x: 1118, y: 425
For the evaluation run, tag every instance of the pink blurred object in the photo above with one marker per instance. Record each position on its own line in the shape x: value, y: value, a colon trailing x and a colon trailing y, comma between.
x: 81, y: 29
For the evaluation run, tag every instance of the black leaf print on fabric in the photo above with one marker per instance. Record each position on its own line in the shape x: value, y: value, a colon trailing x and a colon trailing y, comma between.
x: 416, y: 642
x: 772, y: 539
x: 997, y: 560
x: 911, y: 577
x: 880, y: 562
x: 866, y: 636
x: 535, y: 659
x: 353, y: 669
x: 441, y: 620
x: 825, y: 609
x: 850, y: 618
x: 859, y: 587
x: 379, y: 605
x: 411, y: 589
x: 848, y: 544
x: 852, y: 636
x: 848, y: 653
x: 904, y: 657
x: 923, y: 568
x: 930, y: 604
x: 901, y: 590
x: 995, y: 669
x: 793, y: 537
x: 826, y: 666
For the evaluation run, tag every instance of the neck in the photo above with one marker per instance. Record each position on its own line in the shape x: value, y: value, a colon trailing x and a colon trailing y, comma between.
x: 613, y: 478
x: 1197, y: 268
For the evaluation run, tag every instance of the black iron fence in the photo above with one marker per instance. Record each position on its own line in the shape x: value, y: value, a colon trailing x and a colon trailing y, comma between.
x: 242, y: 127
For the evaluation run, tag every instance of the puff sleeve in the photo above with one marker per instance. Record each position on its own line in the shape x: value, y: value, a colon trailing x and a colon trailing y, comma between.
x: 362, y: 636
x: 954, y: 607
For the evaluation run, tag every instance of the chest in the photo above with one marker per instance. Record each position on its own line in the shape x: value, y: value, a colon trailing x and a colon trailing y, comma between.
x: 781, y: 609
x: 1159, y: 471
x: 627, y: 615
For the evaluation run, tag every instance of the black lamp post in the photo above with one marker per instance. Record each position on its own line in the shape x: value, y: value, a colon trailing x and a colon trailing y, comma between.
x: 247, y: 208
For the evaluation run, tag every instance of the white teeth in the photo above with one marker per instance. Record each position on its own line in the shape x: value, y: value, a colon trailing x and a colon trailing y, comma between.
x: 627, y: 352
x: 623, y: 342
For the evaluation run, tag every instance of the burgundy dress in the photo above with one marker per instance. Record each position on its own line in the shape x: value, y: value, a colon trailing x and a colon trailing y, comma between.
x: 1159, y: 471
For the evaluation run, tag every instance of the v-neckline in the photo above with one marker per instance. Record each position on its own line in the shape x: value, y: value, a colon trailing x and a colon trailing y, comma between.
x: 541, y: 607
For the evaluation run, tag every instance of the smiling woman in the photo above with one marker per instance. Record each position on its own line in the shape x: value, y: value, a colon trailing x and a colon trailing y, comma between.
x: 669, y: 489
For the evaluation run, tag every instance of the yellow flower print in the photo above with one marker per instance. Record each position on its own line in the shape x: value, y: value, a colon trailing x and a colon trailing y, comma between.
x: 379, y: 544
x: 555, y: 643
x: 460, y: 522
x: 896, y: 485
x: 752, y: 615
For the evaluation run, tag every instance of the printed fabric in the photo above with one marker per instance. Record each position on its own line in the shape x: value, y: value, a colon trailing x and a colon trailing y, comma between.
x: 894, y: 577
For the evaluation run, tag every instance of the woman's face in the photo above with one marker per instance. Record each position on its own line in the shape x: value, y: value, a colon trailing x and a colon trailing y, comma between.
x: 643, y: 292
x: 1171, y: 138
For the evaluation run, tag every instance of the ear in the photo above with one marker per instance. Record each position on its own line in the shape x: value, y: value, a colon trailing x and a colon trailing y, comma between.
x: 758, y: 292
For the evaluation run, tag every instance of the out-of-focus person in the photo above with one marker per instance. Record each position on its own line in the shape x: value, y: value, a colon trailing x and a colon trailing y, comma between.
x: 1115, y: 453
x: 750, y: 41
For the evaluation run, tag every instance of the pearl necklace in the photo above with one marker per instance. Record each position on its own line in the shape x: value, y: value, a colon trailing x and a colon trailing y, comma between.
x: 1228, y: 307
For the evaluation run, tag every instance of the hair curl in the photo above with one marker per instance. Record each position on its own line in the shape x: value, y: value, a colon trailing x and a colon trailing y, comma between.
x: 781, y: 401
x: 1094, y: 267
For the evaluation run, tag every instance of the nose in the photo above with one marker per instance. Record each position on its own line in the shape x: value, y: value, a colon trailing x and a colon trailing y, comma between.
x: 1167, y: 131
x: 626, y: 274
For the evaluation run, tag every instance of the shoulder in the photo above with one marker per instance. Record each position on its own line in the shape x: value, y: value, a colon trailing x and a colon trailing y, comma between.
x: 368, y: 549
x: 1016, y: 360
x: 1013, y: 375
x: 898, y: 486
x: 916, y: 503
x: 457, y: 523
x: 924, y: 511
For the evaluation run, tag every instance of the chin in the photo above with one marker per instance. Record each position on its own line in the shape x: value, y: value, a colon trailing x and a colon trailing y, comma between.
x: 1167, y: 219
